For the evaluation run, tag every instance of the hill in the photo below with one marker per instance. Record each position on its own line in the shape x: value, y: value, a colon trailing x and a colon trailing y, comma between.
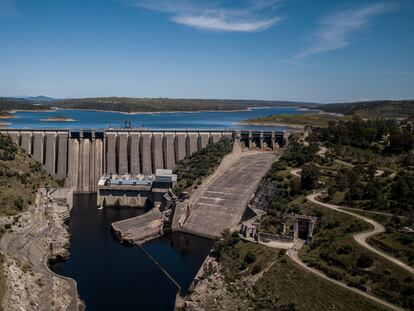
x: 40, y: 98
x: 10, y: 104
x: 295, y: 121
x: 369, y: 109
x: 20, y: 178
x: 130, y: 105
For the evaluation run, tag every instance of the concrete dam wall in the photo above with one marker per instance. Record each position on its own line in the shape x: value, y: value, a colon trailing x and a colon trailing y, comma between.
x: 82, y: 157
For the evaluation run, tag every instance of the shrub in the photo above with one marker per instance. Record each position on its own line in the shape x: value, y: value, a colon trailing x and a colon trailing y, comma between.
x: 256, y: 269
x: 18, y: 202
x: 335, y: 274
x: 365, y: 261
x: 344, y: 250
x: 243, y: 266
x: 250, y: 258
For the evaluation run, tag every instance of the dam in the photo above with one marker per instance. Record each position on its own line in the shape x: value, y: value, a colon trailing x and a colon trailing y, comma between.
x: 82, y: 157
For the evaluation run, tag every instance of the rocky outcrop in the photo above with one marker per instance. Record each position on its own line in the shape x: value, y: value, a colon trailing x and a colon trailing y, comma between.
x: 33, y: 238
x: 268, y: 190
x: 140, y: 229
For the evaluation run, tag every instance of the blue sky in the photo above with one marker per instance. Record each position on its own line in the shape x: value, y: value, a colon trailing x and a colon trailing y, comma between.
x: 318, y: 50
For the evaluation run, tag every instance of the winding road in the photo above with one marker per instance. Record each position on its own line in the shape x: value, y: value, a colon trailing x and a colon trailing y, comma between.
x: 361, y: 237
x: 293, y: 255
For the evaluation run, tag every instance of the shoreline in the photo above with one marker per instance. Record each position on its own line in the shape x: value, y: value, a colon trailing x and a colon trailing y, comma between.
x: 52, y: 119
x: 295, y: 126
x: 156, y: 112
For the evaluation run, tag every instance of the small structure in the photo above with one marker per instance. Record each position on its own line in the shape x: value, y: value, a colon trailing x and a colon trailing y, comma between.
x: 308, y: 128
x: 249, y: 229
x: 135, y: 190
x: 292, y: 227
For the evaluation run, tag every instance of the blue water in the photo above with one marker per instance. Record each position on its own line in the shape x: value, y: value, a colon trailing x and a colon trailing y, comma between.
x: 179, y: 120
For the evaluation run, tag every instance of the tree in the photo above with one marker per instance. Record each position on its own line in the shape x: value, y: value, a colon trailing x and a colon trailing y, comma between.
x: 309, y: 177
x: 365, y: 261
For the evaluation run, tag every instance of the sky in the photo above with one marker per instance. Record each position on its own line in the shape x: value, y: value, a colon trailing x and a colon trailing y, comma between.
x: 299, y: 50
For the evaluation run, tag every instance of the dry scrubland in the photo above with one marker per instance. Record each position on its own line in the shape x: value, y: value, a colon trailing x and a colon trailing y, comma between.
x: 20, y: 178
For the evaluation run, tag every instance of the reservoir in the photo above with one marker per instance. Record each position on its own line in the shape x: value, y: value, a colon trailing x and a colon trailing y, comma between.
x: 113, y: 276
x: 181, y: 120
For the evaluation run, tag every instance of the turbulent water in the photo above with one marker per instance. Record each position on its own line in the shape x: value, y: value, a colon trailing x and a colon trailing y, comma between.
x: 112, y: 276
x: 181, y: 120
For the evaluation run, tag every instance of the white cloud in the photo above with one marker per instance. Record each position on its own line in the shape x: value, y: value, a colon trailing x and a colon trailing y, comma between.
x: 336, y: 30
x: 220, y: 24
x: 249, y: 16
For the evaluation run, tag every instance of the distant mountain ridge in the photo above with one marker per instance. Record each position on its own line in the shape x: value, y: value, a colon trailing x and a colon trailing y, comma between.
x: 135, y: 105
x: 39, y: 98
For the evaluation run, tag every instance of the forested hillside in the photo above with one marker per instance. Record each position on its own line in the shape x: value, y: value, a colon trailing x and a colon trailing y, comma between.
x: 371, y: 109
x: 20, y: 178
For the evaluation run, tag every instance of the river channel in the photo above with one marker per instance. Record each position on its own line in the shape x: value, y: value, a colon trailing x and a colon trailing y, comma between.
x: 113, y: 276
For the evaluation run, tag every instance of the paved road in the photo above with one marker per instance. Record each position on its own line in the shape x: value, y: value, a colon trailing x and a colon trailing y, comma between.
x: 362, y: 237
x: 223, y: 201
x: 293, y: 254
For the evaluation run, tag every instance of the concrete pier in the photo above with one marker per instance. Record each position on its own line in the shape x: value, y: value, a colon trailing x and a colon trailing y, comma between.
x: 38, y: 141
x: 62, y: 155
x: 122, y: 153
x: 111, y: 153
x: 168, y: 150
x: 191, y: 143
x: 135, y: 154
x: 203, y: 140
x: 26, y: 141
x: 180, y: 149
x: 156, y: 151
x: 50, y: 154
x: 145, y: 151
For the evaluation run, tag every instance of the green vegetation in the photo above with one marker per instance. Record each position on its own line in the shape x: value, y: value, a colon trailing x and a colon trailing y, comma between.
x: 376, y: 157
x: 280, y: 284
x: 336, y: 253
x: 194, y: 168
x: 355, y: 182
x: 4, y: 114
x: 374, y: 109
x: 20, y: 178
x: 11, y: 104
x: 395, y: 241
x: 164, y: 104
x: 312, y: 119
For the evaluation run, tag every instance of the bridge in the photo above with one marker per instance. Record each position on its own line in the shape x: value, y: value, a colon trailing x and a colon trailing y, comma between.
x: 83, y: 156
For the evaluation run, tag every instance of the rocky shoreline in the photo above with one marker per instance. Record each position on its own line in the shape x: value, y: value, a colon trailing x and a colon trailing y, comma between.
x: 30, y: 240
